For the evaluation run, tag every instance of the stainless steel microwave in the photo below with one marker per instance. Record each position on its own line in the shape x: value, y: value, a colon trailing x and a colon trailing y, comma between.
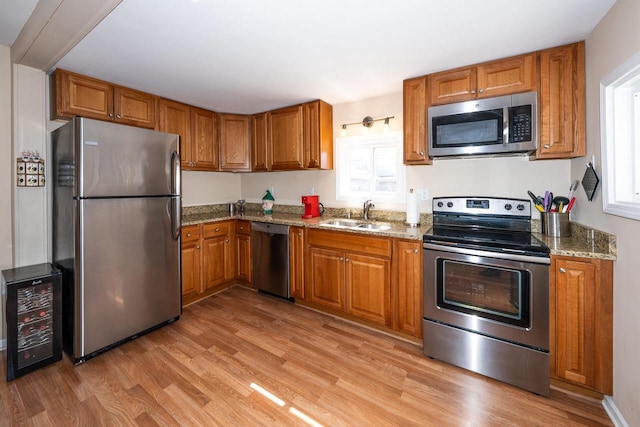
x: 503, y: 124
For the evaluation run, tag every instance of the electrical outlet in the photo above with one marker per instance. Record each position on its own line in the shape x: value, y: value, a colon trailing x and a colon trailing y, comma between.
x: 423, y: 194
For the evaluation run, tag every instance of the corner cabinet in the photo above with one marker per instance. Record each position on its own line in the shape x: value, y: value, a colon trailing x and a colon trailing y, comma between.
x: 259, y: 142
x: 415, y: 121
x: 407, y: 286
x: 562, y: 102
x: 318, y: 135
x: 235, y: 143
x: 351, y: 275
x: 581, y: 326
x: 77, y: 95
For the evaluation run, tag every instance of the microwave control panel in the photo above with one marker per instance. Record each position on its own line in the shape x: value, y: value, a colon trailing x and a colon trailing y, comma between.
x: 520, y: 123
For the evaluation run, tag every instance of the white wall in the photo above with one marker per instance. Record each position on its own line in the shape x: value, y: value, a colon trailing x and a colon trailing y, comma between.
x: 498, y: 176
x: 613, y: 41
x: 205, y: 188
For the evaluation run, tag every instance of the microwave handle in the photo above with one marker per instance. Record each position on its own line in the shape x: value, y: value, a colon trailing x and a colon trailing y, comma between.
x: 505, y: 125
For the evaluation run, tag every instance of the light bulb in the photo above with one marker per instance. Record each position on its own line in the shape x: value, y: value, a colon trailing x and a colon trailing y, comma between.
x: 386, y: 126
x: 343, y: 131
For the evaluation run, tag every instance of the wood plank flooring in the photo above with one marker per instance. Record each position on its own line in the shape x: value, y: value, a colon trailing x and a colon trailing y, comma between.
x: 212, y: 367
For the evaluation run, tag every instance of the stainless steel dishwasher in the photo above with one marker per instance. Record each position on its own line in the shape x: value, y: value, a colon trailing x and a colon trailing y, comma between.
x: 270, y: 258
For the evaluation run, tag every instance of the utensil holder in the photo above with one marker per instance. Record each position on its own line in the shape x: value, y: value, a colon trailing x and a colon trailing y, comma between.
x: 555, y: 224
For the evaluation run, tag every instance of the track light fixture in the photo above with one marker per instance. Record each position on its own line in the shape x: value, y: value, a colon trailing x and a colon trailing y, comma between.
x: 366, y: 123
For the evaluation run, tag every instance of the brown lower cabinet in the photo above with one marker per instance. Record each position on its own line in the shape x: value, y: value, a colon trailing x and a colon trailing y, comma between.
x: 350, y: 274
x: 407, y: 286
x: 581, y: 310
x: 243, y: 251
x: 296, y: 262
x: 208, y: 259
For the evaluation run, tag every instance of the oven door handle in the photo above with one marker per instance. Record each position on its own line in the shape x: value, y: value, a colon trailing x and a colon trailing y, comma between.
x: 448, y: 247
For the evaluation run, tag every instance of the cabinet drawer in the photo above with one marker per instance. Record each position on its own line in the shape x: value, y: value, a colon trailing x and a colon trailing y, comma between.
x: 375, y: 246
x: 243, y: 227
x: 215, y: 229
x: 190, y: 233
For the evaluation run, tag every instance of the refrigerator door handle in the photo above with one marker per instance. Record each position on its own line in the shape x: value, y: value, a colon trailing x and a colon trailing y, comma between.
x: 176, y: 217
x: 175, y: 173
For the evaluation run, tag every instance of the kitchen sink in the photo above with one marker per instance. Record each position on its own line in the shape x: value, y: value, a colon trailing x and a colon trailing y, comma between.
x: 355, y: 224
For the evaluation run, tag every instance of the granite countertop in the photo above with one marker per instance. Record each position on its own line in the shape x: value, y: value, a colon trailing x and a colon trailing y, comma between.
x: 582, y: 241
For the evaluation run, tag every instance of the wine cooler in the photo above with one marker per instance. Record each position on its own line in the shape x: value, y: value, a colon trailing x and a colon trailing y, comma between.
x: 34, y: 318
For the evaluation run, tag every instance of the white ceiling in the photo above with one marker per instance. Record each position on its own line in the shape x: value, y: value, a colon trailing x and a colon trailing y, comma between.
x: 249, y: 56
x: 13, y: 15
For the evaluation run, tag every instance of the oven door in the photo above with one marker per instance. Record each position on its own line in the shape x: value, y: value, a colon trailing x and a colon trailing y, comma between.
x: 499, y: 295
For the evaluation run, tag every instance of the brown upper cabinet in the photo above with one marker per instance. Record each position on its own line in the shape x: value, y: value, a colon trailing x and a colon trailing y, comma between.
x: 502, y: 77
x: 293, y: 138
x: 415, y: 121
x: 235, y: 143
x: 259, y: 142
x: 318, y: 135
x: 285, y: 138
x: 77, y: 95
x: 562, y: 102
x: 198, y: 134
x: 558, y: 74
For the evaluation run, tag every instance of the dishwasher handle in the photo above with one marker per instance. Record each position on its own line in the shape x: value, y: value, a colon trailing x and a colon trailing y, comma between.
x: 269, y: 228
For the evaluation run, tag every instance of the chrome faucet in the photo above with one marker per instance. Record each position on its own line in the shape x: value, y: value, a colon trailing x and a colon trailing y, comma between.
x: 368, y: 205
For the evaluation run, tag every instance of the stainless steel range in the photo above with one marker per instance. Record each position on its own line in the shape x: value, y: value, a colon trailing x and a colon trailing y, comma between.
x: 486, y: 290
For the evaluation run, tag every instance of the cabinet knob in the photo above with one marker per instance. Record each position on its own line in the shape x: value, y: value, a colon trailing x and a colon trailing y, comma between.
x: 341, y: 259
x: 197, y: 246
x: 346, y: 260
x: 217, y: 229
x: 299, y: 233
x: 188, y: 234
x: 546, y: 145
x: 562, y: 270
x: 422, y: 153
x: 118, y: 116
x: 415, y: 251
x: 226, y: 241
x: 473, y: 91
x: 111, y: 115
x: 480, y: 90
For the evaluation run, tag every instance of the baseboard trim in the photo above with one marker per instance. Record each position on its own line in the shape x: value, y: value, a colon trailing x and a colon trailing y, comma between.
x: 612, y: 410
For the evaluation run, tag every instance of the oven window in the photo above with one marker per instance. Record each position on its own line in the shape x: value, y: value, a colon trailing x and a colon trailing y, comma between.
x: 477, y: 128
x: 496, y: 293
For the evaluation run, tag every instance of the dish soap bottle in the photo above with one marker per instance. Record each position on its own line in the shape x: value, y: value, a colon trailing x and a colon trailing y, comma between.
x: 267, y: 203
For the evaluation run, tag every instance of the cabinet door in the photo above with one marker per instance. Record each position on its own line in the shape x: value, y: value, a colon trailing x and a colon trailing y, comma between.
x: 581, y: 319
x: 78, y: 95
x: 452, y: 86
x: 407, y: 287
x: 235, y: 143
x: 414, y: 99
x: 259, y: 142
x: 368, y: 288
x: 296, y: 262
x: 217, y: 257
x: 318, y: 135
x: 243, y: 257
x: 284, y: 138
x: 204, y: 139
x: 176, y: 118
x: 134, y: 108
x: 561, y: 103
x: 325, y: 278
x: 191, y: 283
x: 507, y: 76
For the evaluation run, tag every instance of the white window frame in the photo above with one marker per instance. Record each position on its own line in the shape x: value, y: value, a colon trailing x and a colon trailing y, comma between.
x: 388, y: 139
x: 620, y: 133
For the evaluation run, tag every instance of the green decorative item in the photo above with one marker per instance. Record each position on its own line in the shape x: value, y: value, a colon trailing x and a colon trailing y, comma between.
x: 267, y: 203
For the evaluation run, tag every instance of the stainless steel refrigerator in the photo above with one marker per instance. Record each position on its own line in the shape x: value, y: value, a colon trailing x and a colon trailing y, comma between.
x: 116, y: 232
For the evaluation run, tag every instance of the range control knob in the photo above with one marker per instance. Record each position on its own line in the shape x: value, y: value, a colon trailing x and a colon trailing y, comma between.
x: 508, y: 206
x: 449, y: 204
x: 520, y: 207
x: 440, y: 204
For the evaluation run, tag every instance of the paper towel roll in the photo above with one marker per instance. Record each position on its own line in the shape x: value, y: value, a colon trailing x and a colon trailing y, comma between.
x: 413, y: 209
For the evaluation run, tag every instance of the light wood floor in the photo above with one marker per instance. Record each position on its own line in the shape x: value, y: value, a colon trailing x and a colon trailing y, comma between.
x: 208, y: 368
